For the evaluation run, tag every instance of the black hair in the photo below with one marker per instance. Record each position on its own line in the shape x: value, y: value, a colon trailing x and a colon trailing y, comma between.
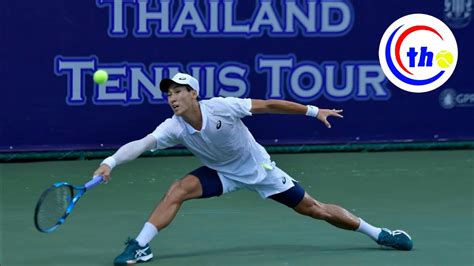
x: 175, y: 85
x: 188, y: 88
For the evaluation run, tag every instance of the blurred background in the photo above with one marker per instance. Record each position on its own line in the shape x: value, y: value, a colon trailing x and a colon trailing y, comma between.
x: 323, y: 53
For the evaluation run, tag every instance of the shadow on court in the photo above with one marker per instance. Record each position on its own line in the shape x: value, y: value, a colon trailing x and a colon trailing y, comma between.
x: 269, y: 249
x: 429, y: 194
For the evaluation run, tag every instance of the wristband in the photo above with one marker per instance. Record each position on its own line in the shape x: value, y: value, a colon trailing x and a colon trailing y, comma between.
x: 110, y: 162
x: 312, y: 111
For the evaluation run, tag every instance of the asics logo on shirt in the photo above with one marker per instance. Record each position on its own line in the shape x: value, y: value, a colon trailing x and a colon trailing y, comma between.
x: 219, y: 124
x: 182, y: 78
x: 283, y: 180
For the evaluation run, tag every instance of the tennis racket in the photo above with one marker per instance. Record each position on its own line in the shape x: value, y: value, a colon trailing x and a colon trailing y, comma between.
x: 57, y: 202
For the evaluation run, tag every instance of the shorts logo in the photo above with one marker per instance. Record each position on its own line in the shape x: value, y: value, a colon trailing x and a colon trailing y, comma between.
x: 283, y: 180
x: 418, y: 53
x: 219, y: 124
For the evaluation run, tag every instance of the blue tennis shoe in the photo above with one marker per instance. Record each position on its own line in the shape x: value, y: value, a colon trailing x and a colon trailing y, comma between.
x: 133, y: 253
x: 396, y: 239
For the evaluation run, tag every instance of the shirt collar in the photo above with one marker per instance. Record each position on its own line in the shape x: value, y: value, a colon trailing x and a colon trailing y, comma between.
x: 188, y: 127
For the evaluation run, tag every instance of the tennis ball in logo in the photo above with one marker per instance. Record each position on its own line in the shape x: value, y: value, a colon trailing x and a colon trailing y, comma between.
x: 444, y: 59
x: 101, y: 76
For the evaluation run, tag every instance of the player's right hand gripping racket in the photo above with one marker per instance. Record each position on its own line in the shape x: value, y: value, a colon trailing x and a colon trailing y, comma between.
x: 57, y: 202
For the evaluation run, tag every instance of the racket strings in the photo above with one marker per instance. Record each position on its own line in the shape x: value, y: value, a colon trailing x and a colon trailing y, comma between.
x: 53, y: 206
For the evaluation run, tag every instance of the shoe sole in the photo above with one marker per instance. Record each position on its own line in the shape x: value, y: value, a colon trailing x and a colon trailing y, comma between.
x: 145, y: 258
x: 141, y: 259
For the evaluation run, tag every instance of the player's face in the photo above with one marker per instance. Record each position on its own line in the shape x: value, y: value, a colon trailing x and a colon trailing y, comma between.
x: 181, y: 100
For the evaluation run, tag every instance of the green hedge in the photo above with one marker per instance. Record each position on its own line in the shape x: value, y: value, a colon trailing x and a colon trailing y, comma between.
x: 82, y: 155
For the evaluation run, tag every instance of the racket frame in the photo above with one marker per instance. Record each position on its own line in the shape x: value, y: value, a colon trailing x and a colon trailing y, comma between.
x: 80, y: 191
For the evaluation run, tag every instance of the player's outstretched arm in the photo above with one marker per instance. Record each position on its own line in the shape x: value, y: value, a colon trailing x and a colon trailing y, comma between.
x: 126, y: 153
x: 287, y: 107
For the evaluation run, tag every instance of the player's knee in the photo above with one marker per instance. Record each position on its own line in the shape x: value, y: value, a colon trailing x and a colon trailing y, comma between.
x: 184, y: 189
x: 320, y: 211
x: 314, y: 209
x: 176, y: 193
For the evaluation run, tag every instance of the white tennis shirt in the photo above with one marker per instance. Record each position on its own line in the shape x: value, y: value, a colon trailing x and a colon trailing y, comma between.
x: 224, y: 143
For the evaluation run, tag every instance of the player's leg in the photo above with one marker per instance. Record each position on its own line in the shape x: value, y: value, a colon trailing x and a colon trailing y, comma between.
x: 282, y: 188
x: 200, y: 183
x: 296, y: 198
x: 341, y: 218
x: 189, y: 187
x: 330, y: 213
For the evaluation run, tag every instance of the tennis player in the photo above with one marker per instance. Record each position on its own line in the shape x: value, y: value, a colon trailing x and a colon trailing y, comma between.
x: 213, y: 131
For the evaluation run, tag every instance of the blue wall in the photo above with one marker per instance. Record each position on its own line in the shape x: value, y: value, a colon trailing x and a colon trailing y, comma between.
x: 51, y: 48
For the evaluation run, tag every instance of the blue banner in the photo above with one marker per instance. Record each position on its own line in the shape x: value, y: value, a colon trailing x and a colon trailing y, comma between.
x: 320, y: 52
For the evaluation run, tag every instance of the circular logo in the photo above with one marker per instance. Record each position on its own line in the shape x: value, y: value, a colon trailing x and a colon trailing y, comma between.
x: 418, y: 53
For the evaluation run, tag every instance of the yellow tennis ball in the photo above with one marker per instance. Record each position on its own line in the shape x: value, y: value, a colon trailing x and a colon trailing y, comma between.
x: 101, y: 76
x: 444, y: 59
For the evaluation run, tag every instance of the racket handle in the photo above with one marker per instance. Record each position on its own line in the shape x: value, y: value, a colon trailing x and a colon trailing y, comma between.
x: 94, y: 182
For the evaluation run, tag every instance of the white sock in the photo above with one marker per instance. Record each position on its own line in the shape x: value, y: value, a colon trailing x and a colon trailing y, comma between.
x: 372, y: 231
x: 148, y: 232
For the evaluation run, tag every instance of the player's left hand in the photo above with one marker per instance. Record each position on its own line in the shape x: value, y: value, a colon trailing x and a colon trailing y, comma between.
x: 323, y: 115
x: 104, y: 171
